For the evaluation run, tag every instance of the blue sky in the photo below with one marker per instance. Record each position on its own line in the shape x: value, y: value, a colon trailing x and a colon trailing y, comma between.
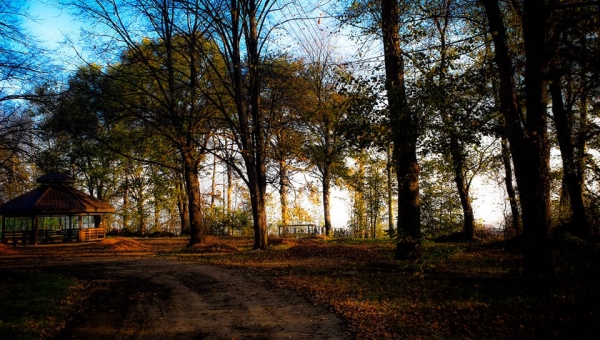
x: 50, y: 23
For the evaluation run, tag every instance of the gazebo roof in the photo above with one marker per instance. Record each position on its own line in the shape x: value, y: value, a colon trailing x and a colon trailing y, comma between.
x: 55, y: 196
x: 55, y: 177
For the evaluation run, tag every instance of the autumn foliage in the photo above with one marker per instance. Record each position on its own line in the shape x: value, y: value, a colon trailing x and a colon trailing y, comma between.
x: 7, y: 250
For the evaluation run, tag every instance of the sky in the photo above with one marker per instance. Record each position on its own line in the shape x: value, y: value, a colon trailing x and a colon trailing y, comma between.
x: 52, y: 24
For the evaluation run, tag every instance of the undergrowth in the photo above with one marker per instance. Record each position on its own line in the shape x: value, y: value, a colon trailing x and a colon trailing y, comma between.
x: 34, y: 305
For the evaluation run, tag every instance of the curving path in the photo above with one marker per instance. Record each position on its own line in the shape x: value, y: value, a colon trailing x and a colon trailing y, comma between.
x: 163, y: 299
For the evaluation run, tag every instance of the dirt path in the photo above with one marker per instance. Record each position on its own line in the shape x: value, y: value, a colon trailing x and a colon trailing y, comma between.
x: 163, y: 299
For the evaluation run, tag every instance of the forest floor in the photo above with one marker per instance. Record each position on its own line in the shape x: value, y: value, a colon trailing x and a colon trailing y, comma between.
x: 310, y: 289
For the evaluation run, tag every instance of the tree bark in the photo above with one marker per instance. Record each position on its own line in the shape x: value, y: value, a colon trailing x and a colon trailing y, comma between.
x: 213, y: 185
x: 229, y: 188
x: 403, y: 123
x: 326, y: 202
x: 125, y: 209
x: 390, y: 195
x: 283, y: 192
x: 182, y: 205
x: 192, y: 185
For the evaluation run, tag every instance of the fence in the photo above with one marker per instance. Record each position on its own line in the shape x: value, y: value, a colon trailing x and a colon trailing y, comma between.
x: 300, y: 230
x: 306, y: 230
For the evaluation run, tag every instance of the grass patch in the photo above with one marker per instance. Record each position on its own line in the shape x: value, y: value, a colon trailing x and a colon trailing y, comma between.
x: 33, y: 305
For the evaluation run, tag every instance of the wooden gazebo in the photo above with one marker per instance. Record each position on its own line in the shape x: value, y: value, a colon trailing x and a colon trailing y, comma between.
x: 55, y: 211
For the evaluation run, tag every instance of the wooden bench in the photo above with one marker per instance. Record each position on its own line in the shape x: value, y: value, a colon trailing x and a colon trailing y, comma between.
x: 50, y: 236
x: 15, y: 236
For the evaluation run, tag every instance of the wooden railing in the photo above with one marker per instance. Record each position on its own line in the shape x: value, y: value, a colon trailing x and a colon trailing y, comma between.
x: 92, y: 234
x: 15, y: 237
x: 300, y: 230
x: 341, y: 233
x: 306, y: 230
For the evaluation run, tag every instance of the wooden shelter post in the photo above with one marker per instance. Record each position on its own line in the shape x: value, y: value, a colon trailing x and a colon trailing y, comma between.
x: 33, y: 238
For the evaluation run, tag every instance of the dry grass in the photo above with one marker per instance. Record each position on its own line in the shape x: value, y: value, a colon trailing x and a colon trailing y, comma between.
x: 122, y: 244
x: 211, y: 248
x: 7, y: 250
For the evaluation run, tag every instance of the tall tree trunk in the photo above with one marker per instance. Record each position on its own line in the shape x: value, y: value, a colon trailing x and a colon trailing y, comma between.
x: 250, y: 128
x: 582, y: 137
x: 182, y: 205
x: 326, y: 201
x: 247, y: 101
x: 192, y: 185
x: 229, y: 188
x: 142, y: 213
x: 257, y: 186
x: 457, y: 152
x: 261, y: 235
x: 360, y: 202
x: 528, y: 139
x: 283, y: 192
x: 458, y: 164
x: 126, y: 214
x: 510, y: 189
x: 572, y: 177
x: 213, y: 186
x: 536, y: 227
x: 390, y: 198
x: 404, y: 124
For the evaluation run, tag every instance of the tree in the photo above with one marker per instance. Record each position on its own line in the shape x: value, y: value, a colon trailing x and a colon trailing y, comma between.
x: 240, y: 30
x: 404, y: 125
x: 22, y: 65
x: 455, y: 88
x: 441, y: 206
x: 284, y: 98
x: 325, y: 147
x: 22, y: 62
x: 527, y: 134
x: 156, y: 85
x: 573, y: 76
x: 69, y: 125
x: 366, y: 185
x: 16, y: 144
x: 510, y: 190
